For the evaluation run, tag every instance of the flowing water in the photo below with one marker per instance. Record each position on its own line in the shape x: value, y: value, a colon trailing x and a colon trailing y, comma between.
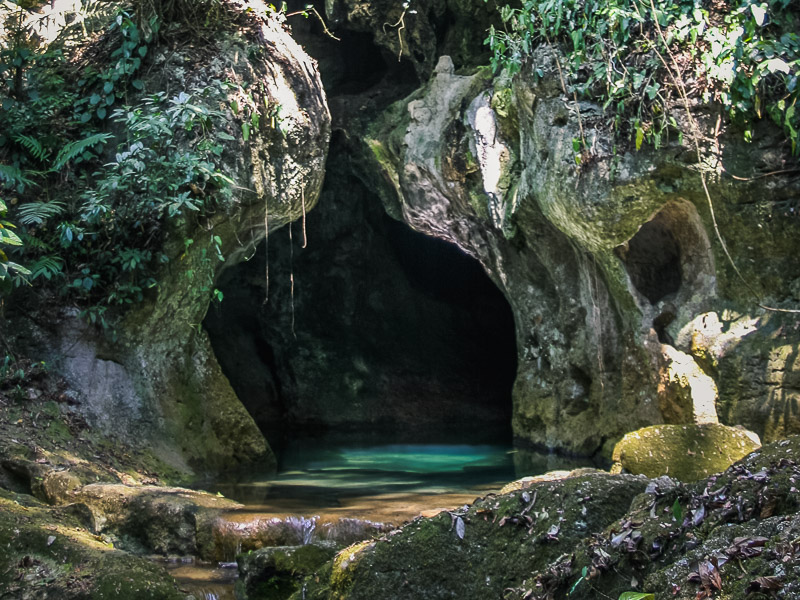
x: 319, y: 485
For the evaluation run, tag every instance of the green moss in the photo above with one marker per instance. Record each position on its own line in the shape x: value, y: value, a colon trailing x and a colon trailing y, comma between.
x: 46, y: 548
x: 687, y: 452
x: 276, y: 573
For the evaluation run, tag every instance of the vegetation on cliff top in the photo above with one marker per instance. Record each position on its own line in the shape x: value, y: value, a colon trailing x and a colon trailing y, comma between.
x: 640, y: 57
x: 94, y: 168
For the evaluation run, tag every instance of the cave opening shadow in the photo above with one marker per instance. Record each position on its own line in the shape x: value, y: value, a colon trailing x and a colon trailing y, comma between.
x: 387, y: 337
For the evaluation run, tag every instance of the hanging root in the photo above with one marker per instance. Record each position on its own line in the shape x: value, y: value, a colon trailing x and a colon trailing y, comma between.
x: 266, y: 252
x: 291, y: 276
x: 303, y: 200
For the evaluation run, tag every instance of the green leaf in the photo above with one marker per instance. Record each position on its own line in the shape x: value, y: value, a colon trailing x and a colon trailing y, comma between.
x: 137, y: 83
x: 9, y: 238
x: 636, y: 596
x: 246, y: 131
x: 677, y: 511
x: 776, y: 64
x: 639, y: 137
x: 108, y: 87
x: 76, y: 148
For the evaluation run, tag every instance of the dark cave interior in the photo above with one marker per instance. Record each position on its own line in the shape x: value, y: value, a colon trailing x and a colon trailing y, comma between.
x: 373, y: 331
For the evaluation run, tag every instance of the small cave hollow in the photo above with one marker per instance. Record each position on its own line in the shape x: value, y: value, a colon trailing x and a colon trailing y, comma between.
x: 372, y: 333
x: 652, y: 258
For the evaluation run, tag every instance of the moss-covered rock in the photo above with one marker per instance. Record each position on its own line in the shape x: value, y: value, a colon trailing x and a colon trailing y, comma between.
x: 276, y: 573
x: 479, y: 551
x: 45, y: 553
x: 611, y: 264
x: 686, y: 452
x: 159, y: 381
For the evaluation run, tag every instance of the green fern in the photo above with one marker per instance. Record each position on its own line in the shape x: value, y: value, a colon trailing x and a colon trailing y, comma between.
x: 13, y: 176
x: 36, y: 213
x: 47, y: 267
x: 78, y: 147
x: 33, y: 146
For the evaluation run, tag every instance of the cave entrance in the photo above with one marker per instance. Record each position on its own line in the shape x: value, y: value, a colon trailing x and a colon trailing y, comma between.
x: 388, y: 336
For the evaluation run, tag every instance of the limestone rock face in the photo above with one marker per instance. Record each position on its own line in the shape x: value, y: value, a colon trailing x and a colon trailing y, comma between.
x: 159, y: 380
x: 627, y: 310
x: 685, y: 452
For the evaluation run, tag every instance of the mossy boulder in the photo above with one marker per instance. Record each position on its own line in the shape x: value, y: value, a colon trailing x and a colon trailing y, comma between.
x: 46, y: 553
x: 719, y: 536
x: 480, y: 550
x: 276, y: 573
x: 686, y: 452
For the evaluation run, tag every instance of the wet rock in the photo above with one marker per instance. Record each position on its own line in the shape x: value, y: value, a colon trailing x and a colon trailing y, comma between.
x: 686, y: 452
x: 160, y: 520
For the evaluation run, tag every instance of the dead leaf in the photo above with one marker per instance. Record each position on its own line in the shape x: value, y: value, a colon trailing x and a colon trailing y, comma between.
x: 770, y: 584
x: 460, y: 528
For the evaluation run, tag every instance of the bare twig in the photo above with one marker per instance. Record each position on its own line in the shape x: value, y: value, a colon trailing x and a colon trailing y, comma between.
x: 313, y: 10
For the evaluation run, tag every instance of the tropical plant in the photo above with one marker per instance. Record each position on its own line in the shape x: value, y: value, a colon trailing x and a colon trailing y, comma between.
x: 634, y: 56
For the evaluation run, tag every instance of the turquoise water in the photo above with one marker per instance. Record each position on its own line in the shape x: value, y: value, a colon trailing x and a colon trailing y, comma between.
x: 316, y: 479
x: 389, y: 483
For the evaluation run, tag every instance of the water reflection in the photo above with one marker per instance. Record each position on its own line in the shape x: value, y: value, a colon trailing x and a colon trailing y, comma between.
x: 389, y: 483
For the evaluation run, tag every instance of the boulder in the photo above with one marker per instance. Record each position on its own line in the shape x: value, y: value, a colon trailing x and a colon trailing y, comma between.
x: 686, y: 452
x: 276, y: 573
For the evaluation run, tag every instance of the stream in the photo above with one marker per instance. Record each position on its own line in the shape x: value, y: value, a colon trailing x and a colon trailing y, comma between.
x: 319, y: 484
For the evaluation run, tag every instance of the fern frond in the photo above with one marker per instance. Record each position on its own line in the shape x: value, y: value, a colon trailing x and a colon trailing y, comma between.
x: 13, y: 176
x: 34, y: 243
x: 78, y: 147
x: 47, y: 267
x: 33, y: 146
x: 36, y: 213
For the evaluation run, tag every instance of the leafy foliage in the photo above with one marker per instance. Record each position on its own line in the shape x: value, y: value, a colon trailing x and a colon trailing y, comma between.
x: 744, y: 54
x: 91, y: 220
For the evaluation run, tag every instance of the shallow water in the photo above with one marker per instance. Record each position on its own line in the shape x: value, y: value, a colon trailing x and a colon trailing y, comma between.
x: 387, y: 484
x: 390, y: 483
x: 204, y: 581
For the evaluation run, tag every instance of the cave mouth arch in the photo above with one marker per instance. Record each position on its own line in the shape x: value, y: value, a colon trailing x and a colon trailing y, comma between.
x: 389, y: 336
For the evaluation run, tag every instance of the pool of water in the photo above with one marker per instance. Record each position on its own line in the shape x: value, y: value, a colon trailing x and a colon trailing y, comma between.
x: 388, y: 483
